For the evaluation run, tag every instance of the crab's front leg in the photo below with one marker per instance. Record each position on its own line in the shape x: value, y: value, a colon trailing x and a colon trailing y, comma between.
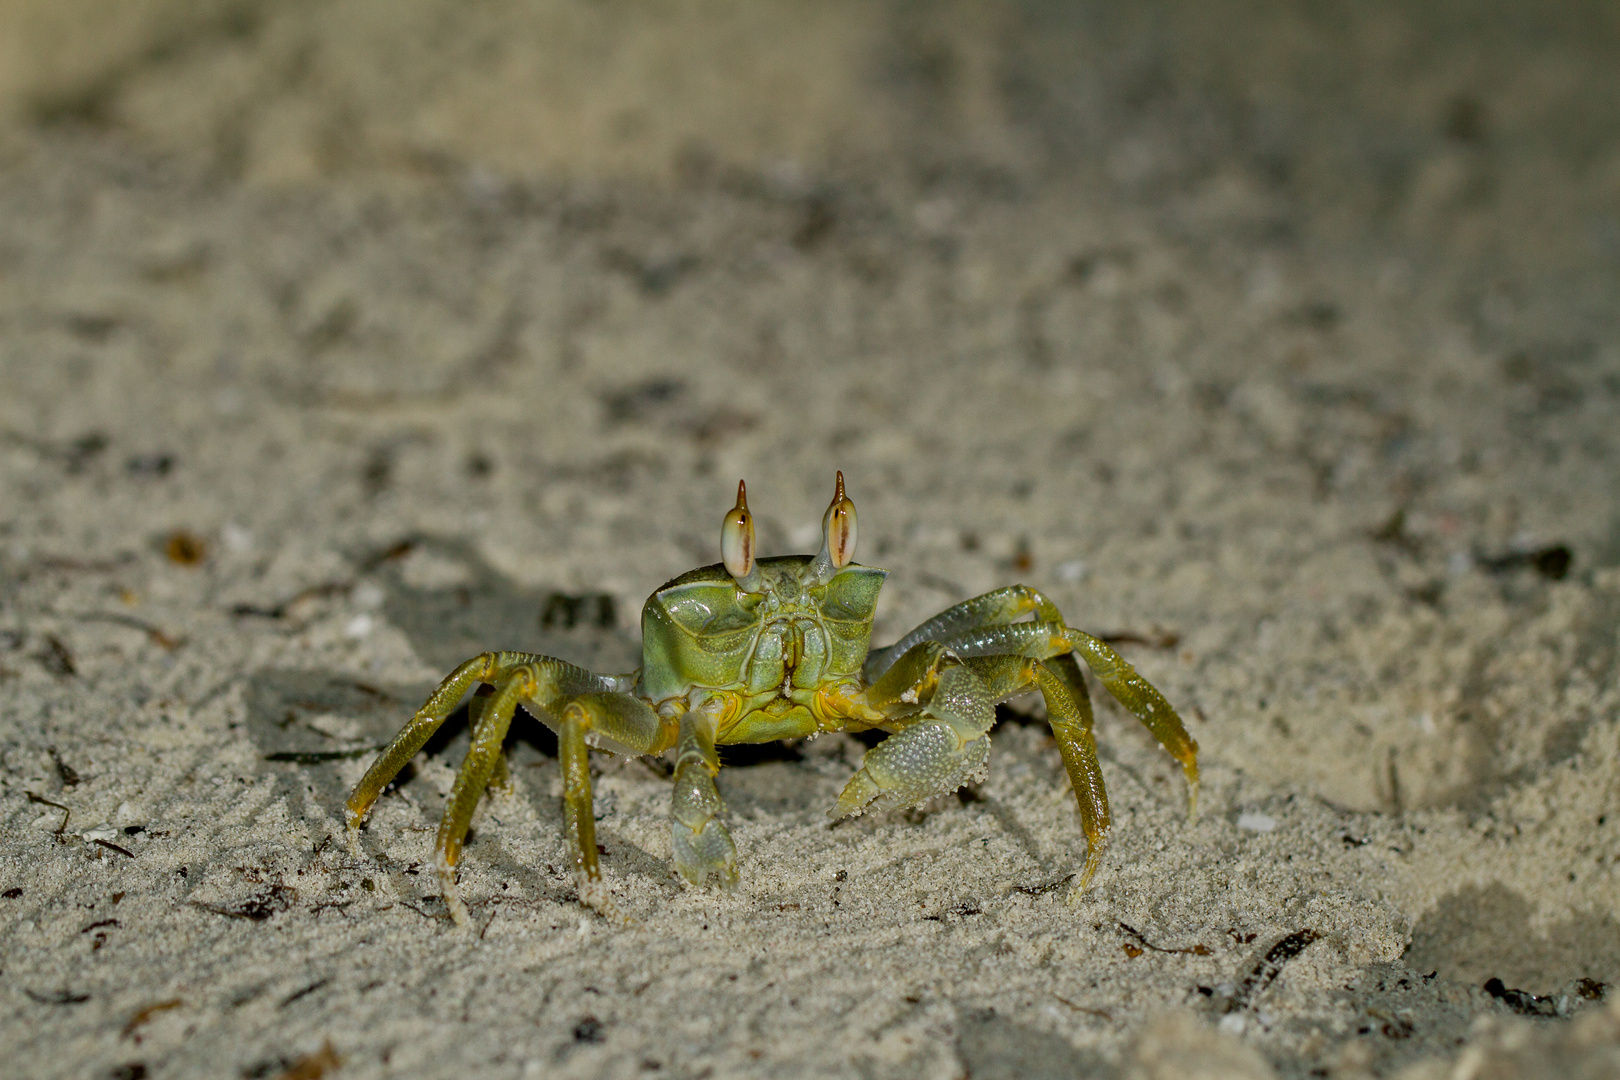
x: 998, y: 607
x: 701, y: 843
x: 626, y: 721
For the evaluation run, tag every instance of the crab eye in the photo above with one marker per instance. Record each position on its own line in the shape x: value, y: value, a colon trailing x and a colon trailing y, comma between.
x: 737, y: 537
x: 838, y: 528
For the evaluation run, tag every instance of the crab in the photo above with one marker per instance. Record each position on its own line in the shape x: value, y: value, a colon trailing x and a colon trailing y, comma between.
x: 753, y: 650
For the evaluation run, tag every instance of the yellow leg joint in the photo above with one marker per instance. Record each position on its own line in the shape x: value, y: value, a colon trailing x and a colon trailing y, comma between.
x: 833, y: 704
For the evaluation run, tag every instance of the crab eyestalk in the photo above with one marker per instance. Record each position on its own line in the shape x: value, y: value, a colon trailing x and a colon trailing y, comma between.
x: 837, y: 536
x: 737, y: 544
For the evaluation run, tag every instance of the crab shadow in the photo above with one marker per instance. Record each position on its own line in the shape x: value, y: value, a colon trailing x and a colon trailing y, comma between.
x: 307, y: 725
x: 311, y: 726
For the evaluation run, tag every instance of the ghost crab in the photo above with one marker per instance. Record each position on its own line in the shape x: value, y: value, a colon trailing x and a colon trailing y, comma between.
x: 754, y: 650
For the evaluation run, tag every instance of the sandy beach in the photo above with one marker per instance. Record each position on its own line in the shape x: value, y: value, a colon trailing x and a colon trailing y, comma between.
x: 1279, y: 344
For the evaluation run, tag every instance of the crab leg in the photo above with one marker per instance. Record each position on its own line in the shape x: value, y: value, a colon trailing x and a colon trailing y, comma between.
x: 500, y: 777
x: 1068, y: 710
x: 1008, y: 657
x: 995, y: 608
x: 627, y: 721
x: 1045, y: 640
x: 554, y: 679
x: 543, y: 682
x: 702, y: 844
x: 473, y: 777
x: 1145, y: 703
x: 439, y: 705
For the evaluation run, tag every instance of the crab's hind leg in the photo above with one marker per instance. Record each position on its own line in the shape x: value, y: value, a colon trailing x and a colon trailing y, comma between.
x: 473, y: 776
x: 394, y: 757
x: 700, y: 840
x: 500, y: 777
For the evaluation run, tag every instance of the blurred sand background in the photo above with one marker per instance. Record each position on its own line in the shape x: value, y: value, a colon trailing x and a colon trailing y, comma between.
x: 341, y: 341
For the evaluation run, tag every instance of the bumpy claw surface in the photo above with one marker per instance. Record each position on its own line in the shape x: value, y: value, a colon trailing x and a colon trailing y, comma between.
x: 928, y: 759
x: 935, y: 755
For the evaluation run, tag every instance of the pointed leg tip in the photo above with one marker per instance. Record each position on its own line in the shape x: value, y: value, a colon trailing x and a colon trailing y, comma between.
x: 593, y: 893
x: 1077, y: 893
x: 445, y: 866
x: 1096, y: 848
x: 452, y: 901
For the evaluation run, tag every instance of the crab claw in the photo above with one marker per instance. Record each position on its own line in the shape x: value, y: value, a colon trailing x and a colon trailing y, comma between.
x: 837, y: 534
x: 737, y: 542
